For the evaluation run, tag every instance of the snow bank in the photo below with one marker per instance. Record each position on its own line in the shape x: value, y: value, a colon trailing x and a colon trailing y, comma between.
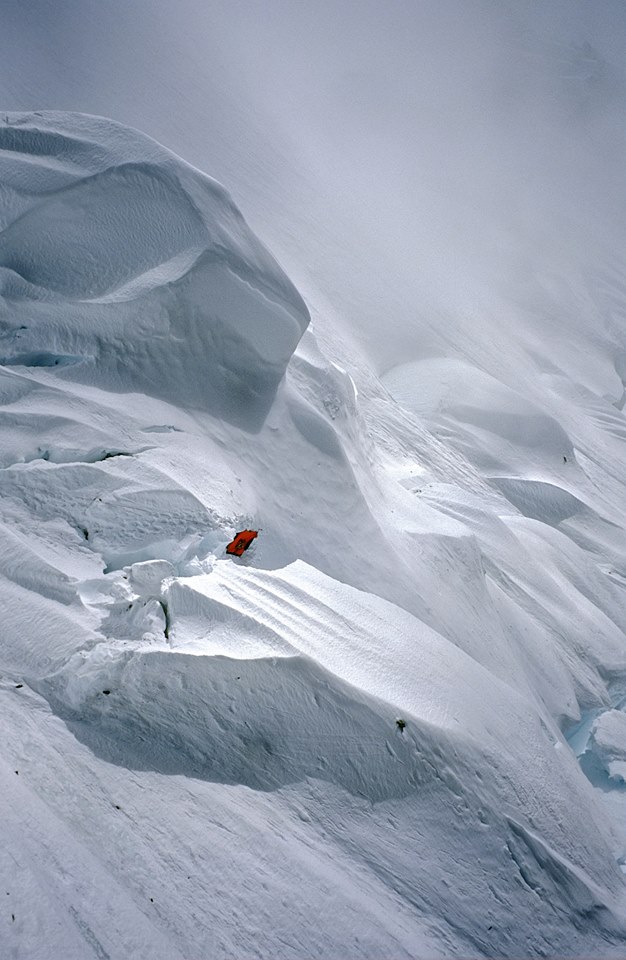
x: 123, y: 266
x: 286, y: 681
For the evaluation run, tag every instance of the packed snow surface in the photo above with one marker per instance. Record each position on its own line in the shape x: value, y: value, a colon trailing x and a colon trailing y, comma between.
x: 351, y: 742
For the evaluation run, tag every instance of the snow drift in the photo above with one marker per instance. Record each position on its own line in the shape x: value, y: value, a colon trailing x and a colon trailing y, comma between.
x: 103, y: 229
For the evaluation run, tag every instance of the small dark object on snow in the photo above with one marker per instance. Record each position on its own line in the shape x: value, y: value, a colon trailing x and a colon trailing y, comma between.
x: 400, y: 724
x: 18, y: 686
x: 106, y: 692
x: 564, y: 459
x: 241, y: 541
x: 17, y: 772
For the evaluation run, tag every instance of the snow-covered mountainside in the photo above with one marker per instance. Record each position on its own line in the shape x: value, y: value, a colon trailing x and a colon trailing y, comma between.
x: 201, y: 755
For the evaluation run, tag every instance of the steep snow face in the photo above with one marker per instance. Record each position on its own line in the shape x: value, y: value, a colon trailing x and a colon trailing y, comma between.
x: 104, y: 230
x: 214, y: 740
x: 487, y: 419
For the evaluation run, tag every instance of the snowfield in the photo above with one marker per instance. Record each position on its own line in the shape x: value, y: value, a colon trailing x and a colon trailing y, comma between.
x: 201, y: 755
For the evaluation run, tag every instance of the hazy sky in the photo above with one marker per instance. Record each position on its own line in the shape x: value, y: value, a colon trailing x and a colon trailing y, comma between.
x: 416, y: 162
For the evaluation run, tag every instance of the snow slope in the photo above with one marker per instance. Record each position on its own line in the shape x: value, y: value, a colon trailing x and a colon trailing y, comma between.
x: 201, y: 755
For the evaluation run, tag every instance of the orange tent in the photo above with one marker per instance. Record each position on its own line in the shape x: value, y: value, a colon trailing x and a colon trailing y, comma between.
x: 241, y: 542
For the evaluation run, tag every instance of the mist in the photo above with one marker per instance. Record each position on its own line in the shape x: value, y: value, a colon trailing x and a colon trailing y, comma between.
x: 429, y: 174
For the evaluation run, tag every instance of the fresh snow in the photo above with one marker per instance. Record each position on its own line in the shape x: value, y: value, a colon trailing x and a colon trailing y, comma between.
x: 201, y: 754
